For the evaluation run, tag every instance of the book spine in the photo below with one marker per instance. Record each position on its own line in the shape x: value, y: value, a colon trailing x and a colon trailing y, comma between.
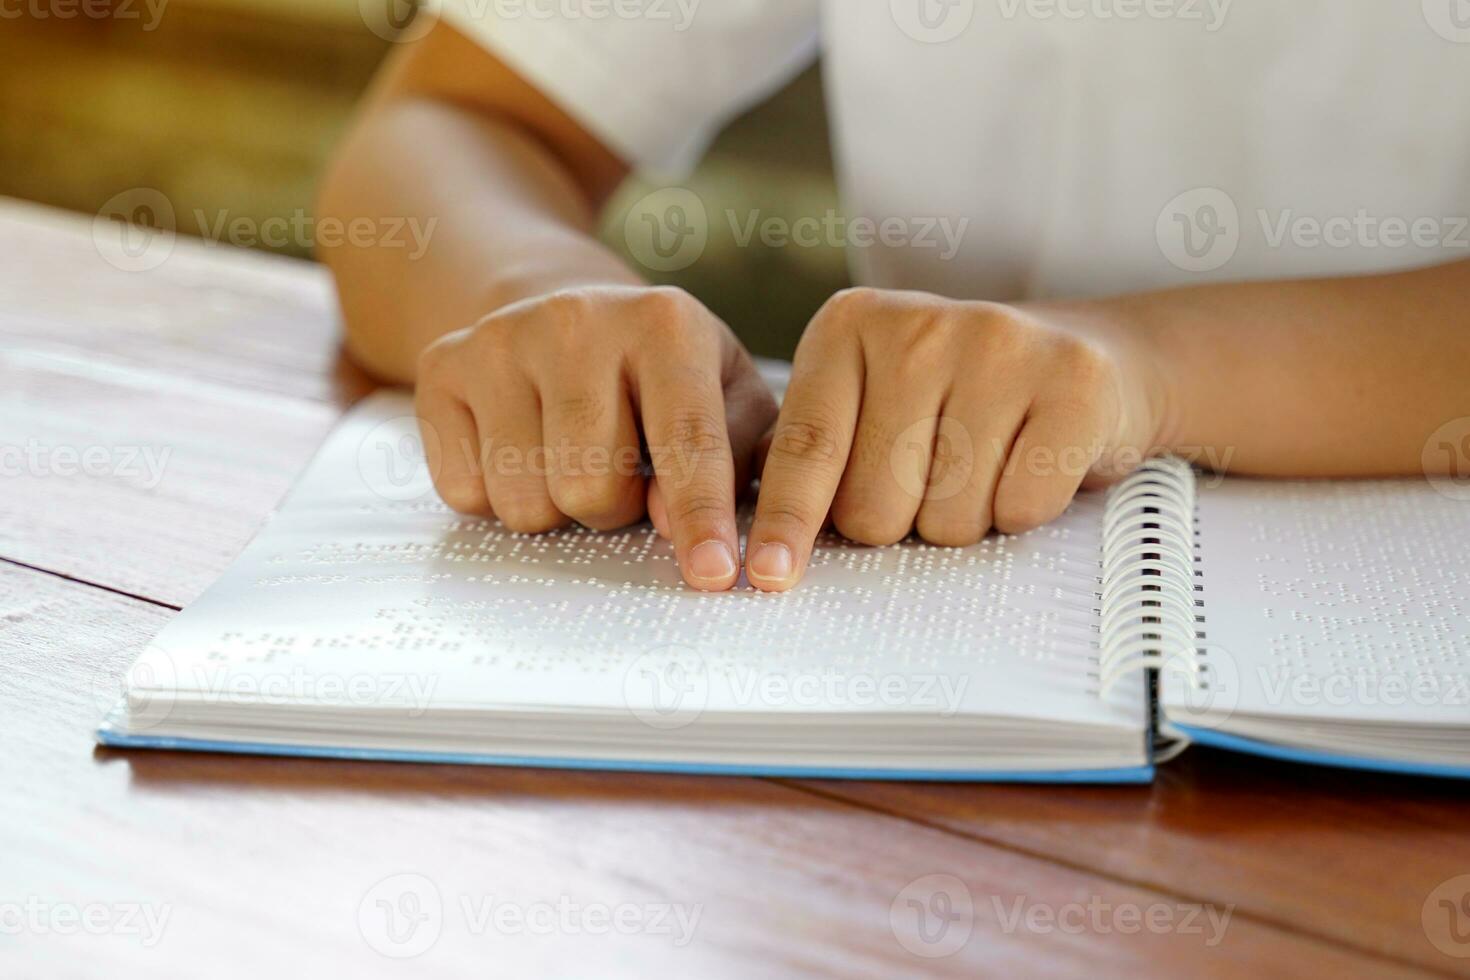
x: 1150, y: 615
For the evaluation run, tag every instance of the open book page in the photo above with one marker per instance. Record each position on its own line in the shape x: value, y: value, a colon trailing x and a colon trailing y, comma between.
x: 1337, y: 601
x: 364, y: 578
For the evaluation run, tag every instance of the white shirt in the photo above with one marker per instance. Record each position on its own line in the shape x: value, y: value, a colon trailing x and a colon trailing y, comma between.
x: 1038, y: 148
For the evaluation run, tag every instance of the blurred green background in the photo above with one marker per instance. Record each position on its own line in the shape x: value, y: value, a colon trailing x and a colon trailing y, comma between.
x: 232, y: 106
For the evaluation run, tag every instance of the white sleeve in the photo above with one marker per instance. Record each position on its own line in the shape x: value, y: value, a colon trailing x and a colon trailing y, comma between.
x: 653, y: 79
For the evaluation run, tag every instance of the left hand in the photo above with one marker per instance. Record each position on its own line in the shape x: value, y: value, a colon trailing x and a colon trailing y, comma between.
x: 911, y: 411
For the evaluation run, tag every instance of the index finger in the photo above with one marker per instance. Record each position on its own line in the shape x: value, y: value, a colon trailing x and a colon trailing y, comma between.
x: 808, y: 453
x: 683, y: 410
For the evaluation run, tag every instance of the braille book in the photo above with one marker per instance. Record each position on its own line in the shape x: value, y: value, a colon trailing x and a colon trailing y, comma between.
x: 1323, y: 622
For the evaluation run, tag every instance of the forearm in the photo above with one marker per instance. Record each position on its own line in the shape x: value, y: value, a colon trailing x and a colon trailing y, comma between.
x: 1328, y: 377
x: 500, y: 216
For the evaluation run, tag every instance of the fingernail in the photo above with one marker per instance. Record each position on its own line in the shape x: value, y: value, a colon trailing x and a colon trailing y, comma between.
x: 711, y: 561
x: 771, y: 562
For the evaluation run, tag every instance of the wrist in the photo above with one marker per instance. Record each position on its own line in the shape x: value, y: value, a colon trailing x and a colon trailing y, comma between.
x: 529, y: 278
x: 1153, y: 408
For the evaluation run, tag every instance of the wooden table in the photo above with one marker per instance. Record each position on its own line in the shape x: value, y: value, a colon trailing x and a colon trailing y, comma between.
x: 229, y: 362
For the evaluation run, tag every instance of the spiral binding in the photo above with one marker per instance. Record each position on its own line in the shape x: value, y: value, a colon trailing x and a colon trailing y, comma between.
x: 1149, y: 618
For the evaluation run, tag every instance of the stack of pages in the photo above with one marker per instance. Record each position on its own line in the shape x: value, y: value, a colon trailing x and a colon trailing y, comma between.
x: 1326, y: 622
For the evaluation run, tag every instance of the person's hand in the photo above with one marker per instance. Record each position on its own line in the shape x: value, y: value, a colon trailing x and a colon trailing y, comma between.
x: 534, y: 414
x: 910, y: 411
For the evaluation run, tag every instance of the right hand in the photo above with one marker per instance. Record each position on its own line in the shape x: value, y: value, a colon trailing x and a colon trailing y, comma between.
x: 534, y: 415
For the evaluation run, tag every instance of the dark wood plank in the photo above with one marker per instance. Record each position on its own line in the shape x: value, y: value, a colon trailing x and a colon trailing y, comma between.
x: 1349, y: 855
x: 263, y: 862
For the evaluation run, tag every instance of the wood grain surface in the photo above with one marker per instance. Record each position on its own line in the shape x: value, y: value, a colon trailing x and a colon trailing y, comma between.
x: 225, y: 366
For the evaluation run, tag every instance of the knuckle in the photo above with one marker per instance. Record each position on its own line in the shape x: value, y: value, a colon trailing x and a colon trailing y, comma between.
x: 878, y: 439
x: 527, y: 515
x: 464, y: 495
x: 589, y: 500
x: 786, y: 518
x: 434, y: 359
x: 696, y: 432
x: 667, y: 301
x: 493, y: 334
x: 809, y: 438
x: 562, y: 320
x: 854, y: 301
x: 924, y: 351
x: 1083, y: 364
x: 1000, y: 332
x: 948, y: 532
x: 909, y: 339
x: 579, y: 412
x: 565, y: 305
x: 844, y: 313
x: 868, y: 525
x: 666, y: 315
x: 1017, y: 513
x: 698, y: 508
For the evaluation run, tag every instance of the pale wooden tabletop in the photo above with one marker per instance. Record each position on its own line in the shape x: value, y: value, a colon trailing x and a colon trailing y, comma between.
x: 225, y: 365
